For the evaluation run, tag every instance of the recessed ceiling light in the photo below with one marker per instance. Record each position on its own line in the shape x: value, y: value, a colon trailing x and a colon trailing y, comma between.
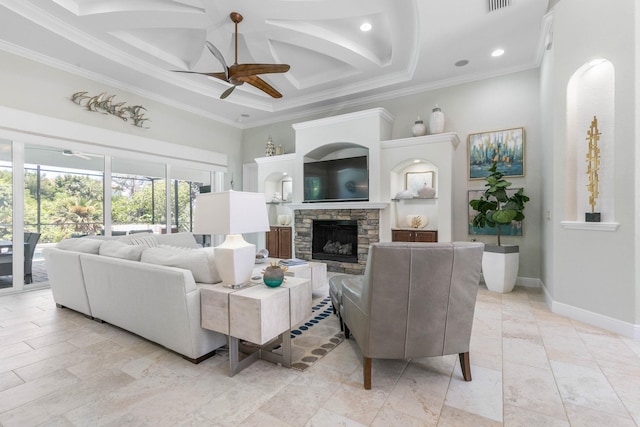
x: 497, y: 52
x: 461, y: 63
x: 365, y: 27
x: 417, y: 161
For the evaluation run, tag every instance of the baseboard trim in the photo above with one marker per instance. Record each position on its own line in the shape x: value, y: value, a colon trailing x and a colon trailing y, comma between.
x: 529, y: 282
x: 595, y: 319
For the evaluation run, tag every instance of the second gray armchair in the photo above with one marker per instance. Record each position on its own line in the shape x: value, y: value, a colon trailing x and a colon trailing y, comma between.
x: 415, y: 300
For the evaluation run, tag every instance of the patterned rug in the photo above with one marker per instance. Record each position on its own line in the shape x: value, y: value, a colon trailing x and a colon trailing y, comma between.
x: 316, y: 337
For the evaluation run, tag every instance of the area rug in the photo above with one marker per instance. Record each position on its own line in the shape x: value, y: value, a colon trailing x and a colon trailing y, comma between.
x: 316, y: 337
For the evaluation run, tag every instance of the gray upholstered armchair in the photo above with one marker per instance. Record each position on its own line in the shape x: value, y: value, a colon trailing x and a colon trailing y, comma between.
x: 415, y: 300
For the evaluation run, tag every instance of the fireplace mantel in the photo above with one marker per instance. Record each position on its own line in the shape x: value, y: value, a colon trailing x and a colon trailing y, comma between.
x: 338, y: 205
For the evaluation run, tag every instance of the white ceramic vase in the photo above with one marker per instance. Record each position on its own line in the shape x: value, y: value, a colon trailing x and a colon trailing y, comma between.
x: 419, y: 128
x: 436, y: 122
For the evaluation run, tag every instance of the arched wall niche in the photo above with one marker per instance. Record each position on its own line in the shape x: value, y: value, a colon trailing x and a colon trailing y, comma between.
x: 590, y: 93
x: 398, y: 183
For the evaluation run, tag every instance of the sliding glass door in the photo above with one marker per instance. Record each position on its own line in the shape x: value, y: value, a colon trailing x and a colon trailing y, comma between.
x: 6, y: 215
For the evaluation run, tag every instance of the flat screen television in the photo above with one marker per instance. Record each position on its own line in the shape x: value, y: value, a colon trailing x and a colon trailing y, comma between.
x: 339, y: 180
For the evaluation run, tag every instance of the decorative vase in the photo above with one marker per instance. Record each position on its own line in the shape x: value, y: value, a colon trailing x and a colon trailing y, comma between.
x: 419, y: 128
x: 273, y: 276
x: 426, y: 192
x: 436, y: 122
x: 270, y: 148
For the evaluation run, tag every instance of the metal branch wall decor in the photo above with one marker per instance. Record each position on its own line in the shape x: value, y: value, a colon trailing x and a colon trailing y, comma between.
x: 593, y: 165
x: 103, y: 104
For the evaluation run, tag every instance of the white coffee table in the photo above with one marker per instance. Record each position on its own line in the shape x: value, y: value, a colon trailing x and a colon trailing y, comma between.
x: 258, y: 314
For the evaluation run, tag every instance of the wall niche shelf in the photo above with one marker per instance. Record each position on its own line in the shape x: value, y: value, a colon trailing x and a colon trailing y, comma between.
x: 590, y: 226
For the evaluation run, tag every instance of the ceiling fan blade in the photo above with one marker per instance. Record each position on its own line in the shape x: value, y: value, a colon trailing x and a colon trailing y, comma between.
x: 227, y: 92
x: 257, y: 82
x: 221, y: 76
x: 244, y: 70
x: 215, y: 52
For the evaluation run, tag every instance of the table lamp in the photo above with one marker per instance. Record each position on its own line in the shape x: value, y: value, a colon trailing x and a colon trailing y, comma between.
x: 232, y: 213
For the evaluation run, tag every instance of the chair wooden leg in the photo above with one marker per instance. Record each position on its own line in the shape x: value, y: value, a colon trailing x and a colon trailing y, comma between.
x: 366, y: 370
x: 347, y: 333
x: 465, y: 365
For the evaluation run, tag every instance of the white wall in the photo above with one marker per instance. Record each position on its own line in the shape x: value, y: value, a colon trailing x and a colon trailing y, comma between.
x: 593, y: 271
x: 491, y: 104
x: 29, y: 86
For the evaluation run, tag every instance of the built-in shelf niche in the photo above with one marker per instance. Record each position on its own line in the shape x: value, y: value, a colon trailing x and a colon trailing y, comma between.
x: 401, y: 182
x: 590, y: 93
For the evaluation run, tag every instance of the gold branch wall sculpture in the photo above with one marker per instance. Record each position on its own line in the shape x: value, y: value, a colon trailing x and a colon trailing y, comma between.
x: 104, y: 104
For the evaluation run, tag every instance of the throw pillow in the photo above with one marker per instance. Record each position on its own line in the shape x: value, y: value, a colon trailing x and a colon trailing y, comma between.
x: 90, y: 246
x: 115, y: 249
x: 199, y: 261
x: 184, y: 240
x: 146, y: 241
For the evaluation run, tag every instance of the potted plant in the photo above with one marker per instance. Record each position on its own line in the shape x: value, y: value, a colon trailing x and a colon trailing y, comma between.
x: 494, y: 209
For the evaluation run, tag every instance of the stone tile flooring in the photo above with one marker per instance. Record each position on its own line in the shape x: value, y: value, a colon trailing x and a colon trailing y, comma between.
x: 530, y: 368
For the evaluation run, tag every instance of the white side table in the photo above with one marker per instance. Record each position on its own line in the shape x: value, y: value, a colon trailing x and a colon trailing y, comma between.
x: 314, y: 271
x: 259, y: 315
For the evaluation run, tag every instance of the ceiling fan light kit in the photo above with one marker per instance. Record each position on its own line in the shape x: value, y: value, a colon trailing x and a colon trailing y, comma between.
x: 238, y: 74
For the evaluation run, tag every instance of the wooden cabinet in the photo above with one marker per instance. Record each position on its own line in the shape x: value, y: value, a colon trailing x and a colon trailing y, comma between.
x: 279, y: 242
x: 414, y: 235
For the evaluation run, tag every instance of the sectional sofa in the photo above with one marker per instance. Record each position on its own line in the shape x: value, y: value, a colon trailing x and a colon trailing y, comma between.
x: 148, y: 285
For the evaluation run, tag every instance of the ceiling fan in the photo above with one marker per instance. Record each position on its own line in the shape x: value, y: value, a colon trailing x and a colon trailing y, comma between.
x: 80, y: 154
x: 238, y: 74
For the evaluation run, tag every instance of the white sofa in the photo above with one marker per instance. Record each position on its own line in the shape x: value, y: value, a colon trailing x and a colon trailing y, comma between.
x: 104, y: 279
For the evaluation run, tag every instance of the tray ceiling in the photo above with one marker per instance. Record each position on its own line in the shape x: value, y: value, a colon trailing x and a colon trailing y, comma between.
x: 412, y: 46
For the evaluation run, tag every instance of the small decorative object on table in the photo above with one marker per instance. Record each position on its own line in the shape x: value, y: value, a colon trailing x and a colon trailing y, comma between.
x: 270, y: 148
x: 261, y: 256
x: 419, y: 128
x: 273, y: 275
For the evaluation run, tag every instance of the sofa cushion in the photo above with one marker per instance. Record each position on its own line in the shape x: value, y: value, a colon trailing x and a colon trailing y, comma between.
x: 182, y: 240
x: 199, y: 261
x: 115, y: 249
x: 90, y: 246
x: 146, y: 241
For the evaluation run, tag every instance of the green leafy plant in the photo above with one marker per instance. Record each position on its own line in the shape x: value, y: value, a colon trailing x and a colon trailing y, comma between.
x: 496, y: 207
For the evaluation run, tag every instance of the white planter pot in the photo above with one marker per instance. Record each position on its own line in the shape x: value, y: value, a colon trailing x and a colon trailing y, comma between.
x: 500, y: 267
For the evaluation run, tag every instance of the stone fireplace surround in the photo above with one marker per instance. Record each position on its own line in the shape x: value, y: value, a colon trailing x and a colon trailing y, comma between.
x: 389, y: 160
x: 368, y: 232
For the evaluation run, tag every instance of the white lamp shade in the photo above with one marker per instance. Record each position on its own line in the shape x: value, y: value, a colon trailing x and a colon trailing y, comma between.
x: 230, y: 212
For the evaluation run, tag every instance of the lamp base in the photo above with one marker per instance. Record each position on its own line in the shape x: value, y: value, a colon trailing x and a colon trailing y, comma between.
x: 235, y: 259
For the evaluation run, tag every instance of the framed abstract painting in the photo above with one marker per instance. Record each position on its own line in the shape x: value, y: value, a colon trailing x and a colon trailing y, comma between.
x: 506, y: 147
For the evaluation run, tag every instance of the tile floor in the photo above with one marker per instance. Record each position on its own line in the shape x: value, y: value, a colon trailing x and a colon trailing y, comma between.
x: 530, y: 368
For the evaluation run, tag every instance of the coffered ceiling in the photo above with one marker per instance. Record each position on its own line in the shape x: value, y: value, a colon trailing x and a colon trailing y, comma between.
x: 413, y: 45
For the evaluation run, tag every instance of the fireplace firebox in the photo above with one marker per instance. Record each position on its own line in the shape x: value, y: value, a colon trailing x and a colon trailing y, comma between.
x: 335, y: 240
